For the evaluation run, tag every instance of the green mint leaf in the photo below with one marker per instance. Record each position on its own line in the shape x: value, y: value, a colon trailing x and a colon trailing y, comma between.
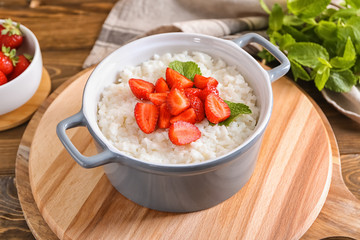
x: 326, y: 30
x: 354, y: 23
x: 299, y: 72
x: 327, y: 13
x: 264, y: 54
x: 307, y: 53
x: 322, y: 76
x: 264, y: 7
x: 354, y: 20
x: 348, y: 59
x: 236, y: 109
x: 324, y: 62
x: 341, y: 81
x: 333, y: 46
x: 296, y: 34
x: 276, y: 18
x: 353, y: 3
x: 188, y: 69
x: 310, y: 32
x: 282, y: 40
x: 357, y: 66
x: 285, y: 41
x: 291, y: 20
x: 346, y: 31
x: 307, y: 8
x: 344, y: 13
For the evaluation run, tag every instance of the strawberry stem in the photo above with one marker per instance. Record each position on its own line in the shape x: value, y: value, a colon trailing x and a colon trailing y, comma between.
x: 11, y: 54
x: 10, y: 28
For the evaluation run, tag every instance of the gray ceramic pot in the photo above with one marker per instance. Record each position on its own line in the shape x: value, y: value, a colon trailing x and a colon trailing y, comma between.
x: 180, y: 187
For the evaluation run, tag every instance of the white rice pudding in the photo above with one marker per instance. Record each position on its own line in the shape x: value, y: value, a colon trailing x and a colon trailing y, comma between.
x: 117, y: 122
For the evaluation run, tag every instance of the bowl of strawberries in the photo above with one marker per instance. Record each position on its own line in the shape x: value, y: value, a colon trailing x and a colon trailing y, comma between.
x: 20, y: 65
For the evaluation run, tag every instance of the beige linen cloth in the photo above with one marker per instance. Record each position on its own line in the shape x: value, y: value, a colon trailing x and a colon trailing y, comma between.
x: 132, y: 19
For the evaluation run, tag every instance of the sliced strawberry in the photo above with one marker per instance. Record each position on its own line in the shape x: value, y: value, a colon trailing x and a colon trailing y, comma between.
x: 188, y: 115
x: 192, y: 92
x: 206, y: 91
x: 141, y: 88
x: 175, y: 79
x: 177, y: 101
x: 3, y: 78
x: 216, y: 109
x: 201, y: 81
x: 198, y: 107
x: 161, y: 86
x: 146, y: 116
x: 164, y: 117
x: 157, y: 98
x: 181, y: 133
x: 21, y: 65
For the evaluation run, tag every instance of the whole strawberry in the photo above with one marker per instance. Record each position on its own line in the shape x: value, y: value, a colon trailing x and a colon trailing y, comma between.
x: 10, y: 35
x: 3, y: 78
x: 22, y: 63
x: 8, y: 60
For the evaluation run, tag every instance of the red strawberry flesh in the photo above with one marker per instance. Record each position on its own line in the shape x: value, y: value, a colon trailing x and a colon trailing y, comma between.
x: 188, y: 115
x: 201, y: 81
x: 157, y: 98
x: 175, y: 79
x: 192, y: 92
x: 141, y: 88
x: 198, y: 107
x: 206, y: 91
x: 164, y: 116
x: 20, y: 67
x: 3, y: 78
x: 7, y: 60
x: 216, y: 109
x: 146, y: 116
x: 161, y: 86
x: 182, y: 133
x: 177, y: 101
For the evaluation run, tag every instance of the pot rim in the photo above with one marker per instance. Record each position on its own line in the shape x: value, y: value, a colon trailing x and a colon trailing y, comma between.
x: 115, y: 155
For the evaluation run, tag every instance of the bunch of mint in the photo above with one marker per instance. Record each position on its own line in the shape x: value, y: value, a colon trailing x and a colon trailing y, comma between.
x: 322, y: 43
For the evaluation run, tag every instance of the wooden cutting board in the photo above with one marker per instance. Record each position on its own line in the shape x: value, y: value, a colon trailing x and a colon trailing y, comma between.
x: 281, y: 200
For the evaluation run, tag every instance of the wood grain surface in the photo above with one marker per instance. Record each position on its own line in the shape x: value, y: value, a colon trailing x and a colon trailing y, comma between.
x: 285, y: 194
x: 23, y: 114
x: 63, y: 56
x: 66, y: 30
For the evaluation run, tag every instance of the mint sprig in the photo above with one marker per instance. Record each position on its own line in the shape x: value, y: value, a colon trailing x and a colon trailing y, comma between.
x: 188, y: 69
x: 236, y: 109
x: 322, y: 44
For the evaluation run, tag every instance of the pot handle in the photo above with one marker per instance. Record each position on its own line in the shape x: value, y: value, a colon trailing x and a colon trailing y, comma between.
x: 86, y: 162
x: 278, y: 71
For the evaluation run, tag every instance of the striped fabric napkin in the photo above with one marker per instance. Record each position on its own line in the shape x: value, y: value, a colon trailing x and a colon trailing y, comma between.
x: 132, y: 19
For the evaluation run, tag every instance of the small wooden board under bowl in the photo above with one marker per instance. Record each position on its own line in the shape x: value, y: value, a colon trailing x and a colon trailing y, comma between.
x: 281, y: 201
x: 23, y: 113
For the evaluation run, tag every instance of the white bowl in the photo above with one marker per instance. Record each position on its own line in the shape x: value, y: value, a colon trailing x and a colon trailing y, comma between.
x: 18, y: 91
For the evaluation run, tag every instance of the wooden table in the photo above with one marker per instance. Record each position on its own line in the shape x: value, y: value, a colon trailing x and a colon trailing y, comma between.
x: 67, y: 30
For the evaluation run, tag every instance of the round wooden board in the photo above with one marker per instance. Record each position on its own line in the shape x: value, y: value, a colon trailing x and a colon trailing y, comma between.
x: 23, y: 113
x: 92, y: 200
x: 281, y: 201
